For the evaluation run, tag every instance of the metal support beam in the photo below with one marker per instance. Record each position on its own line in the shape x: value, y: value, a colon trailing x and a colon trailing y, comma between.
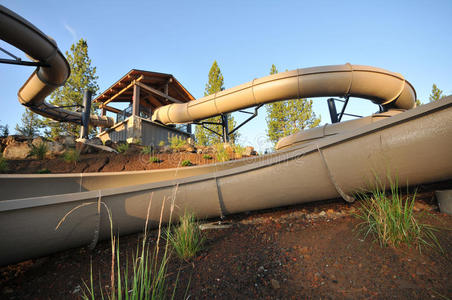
x: 84, y: 129
x: 225, y: 123
x: 136, y: 100
x: 332, y: 109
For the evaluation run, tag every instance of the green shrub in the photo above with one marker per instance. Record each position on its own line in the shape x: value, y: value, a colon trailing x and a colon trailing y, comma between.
x: 146, y: 150
x: 390, y: 218
x: 3, y: 164
x: 44, y: 171
x: 122, y: 148
x: 161, y: 143
x: 39, y: 151
x: 176, y: 143
x: 221, y: 153
x: 71, y: 156
x: 207, y: 156
x: 187, y: 239
x: 154, y: 159
x: 186, y: 163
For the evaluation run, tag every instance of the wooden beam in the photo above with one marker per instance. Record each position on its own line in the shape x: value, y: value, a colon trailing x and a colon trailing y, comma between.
x: 157, y: 92
x: 112, y: 109
x: 136, y: 100
x: 121, y: 91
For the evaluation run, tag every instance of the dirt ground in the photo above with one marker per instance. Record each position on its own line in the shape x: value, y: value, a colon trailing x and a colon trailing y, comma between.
x: 306, y: 251
x: 107, y: 162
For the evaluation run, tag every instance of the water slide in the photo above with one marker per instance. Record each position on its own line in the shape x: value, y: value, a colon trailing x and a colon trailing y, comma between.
x: 23, y: 35
x: 324, y: 163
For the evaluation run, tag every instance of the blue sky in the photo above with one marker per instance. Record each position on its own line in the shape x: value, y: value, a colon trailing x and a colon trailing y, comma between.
x: 183, y: 38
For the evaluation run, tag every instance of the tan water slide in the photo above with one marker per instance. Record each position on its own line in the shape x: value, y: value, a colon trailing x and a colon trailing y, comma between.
x: 23, y: 35
x: 324, y: 163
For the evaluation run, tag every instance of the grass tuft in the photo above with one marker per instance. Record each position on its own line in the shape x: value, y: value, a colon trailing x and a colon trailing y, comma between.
x: 39, y: 151
x: 71, y: 156
x: 187, y: 239
x: 176, y: 143
x: 123, y: 147
x: 155, y: 159
x: 207, y: 156
x: 186, y: 163
x: 146, y: 150
x: 390, y: 218
x: 3, y: 164
x: 221, y: 153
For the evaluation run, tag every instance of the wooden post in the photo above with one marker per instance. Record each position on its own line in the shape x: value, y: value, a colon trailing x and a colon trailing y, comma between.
x: 166, y: 91
x: 104, y: 112
x: 136, y: 100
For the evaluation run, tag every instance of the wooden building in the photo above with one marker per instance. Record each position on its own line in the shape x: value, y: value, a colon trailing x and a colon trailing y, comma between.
x: 142, y: 92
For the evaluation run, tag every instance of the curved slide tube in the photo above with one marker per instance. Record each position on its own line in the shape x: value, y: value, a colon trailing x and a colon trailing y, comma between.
x: 413, y: 145
x: 382, y: 87
x: 23, y: 35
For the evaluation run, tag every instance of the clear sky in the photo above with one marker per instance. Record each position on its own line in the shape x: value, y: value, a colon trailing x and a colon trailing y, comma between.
x: 183, y: 38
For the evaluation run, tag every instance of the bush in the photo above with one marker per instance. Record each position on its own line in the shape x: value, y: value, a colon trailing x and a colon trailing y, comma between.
x: 39, y: 151
x: 390, y: 218
x: 187, y: 239
x: 221, y: 153
x: 161, y: 143
x: 3, y: 164
x: 122, y: 148
x: 239, y: 150
x: 207, y: 156
x: 186, y: 163
x: 146, y: 150
x: 154, y: 159
x: 71, y: 156
x: 176, y: 143
x: 44, y: 171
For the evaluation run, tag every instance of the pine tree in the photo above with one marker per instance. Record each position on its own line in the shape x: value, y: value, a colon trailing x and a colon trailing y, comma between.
x: 436, y: 93
x: 203, y: 136
x: 83, y: 76
x: 4, y: 130
x: 287, y: 117
x: 30, y: 125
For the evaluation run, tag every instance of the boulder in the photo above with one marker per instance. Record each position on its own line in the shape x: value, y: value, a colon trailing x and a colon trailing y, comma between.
x: 55, y: 149
x: 17, y: 151
x: 249, y: 151
x: 67, y: 141
x: 38, y: 141
x: 187, y: 148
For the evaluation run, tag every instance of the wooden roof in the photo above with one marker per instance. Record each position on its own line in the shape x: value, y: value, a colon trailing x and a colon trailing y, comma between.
x: 122, y: 90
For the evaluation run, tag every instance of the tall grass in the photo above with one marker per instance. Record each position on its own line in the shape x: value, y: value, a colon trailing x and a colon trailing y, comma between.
x: 146, y: 277
x: 3, y: 164
x: 187, y: 239
x: 221, y: 154
x: 390, y: 218
x: 146, y: 150
x: 39, y: 151
x: 176, y: 143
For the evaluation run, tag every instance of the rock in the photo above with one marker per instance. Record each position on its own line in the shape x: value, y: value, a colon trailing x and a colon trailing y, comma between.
x: 66, y: 140
x: 38, y: 141
x: 17, y: 151
x: 199, y: 151
x: 108, y: 143
x: 96, y: 141
x: 322, y: 214
x: 15, y: 138
x: 55, y: 149
x: 249, y: 151
x: 84, y: 148
x: 275, y: 284
x: 188, y: 148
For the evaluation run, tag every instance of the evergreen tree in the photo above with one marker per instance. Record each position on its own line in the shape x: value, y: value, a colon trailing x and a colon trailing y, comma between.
x: 83, y: 76
x: 436, y: 93
x: 418, y: 102
x: 4, y: 130
x: 287, y: 117
x: 203, y: 136
x: 30, y: 125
